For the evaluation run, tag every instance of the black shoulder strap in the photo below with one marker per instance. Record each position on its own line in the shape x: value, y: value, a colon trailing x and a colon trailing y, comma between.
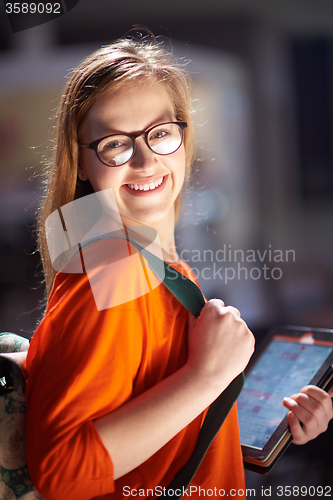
x: 190, y: 296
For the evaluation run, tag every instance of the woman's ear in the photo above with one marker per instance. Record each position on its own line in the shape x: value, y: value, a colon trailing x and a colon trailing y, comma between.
x: 81, y: 173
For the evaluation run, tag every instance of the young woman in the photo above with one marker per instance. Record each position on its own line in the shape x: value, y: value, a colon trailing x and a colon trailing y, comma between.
x: 116, y: 394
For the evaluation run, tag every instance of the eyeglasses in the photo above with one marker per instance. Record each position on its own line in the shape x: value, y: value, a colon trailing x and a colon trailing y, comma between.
x: 117, y: 149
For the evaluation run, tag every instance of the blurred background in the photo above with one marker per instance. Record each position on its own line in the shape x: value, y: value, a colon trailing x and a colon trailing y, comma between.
x: 257, y: 222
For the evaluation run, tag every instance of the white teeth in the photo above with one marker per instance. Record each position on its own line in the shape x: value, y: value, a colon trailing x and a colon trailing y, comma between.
x: 146, y: 187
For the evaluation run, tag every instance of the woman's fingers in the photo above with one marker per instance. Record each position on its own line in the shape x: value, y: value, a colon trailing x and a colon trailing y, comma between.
x: 233, y: 310
x: 220, y: 343
x: 311, y: 411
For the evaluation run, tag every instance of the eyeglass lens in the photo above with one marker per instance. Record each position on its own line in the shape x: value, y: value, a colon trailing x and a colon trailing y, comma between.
x: 117, y: 149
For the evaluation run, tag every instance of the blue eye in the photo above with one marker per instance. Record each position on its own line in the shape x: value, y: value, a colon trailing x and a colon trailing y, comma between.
x: 159, y: 133
x: 112, y: 145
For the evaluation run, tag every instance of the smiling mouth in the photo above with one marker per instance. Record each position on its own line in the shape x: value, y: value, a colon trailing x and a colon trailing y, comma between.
x: 149, y: 186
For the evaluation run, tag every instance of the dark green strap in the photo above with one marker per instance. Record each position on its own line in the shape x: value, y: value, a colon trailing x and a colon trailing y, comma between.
x: 181, y: 287
x: 190, y: 296
x: 187, y: 292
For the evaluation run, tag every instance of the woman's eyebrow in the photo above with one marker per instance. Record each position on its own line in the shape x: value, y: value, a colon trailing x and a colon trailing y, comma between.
x: 115, y: 131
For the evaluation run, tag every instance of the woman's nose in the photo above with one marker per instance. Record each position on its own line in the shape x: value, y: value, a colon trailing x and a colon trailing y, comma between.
x: 144, y: 158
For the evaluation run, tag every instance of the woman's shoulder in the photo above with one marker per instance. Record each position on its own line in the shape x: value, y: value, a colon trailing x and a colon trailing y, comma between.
x: 81, y: 314
x: 110, y: 277
x: 183, y: 268
x: 68, y: 287
x: 104, y: 273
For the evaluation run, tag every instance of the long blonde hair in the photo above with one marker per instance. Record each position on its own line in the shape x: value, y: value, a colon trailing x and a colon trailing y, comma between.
x: 108, y: 68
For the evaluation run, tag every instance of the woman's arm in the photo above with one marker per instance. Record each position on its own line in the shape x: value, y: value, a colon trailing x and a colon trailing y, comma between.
x: 220, y: 346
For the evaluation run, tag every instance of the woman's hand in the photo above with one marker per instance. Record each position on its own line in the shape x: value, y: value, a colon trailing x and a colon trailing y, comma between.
x: 220, y: 345
x: 310, y: 413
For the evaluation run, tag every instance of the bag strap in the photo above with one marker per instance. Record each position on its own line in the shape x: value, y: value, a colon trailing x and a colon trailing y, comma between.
x: 190, y: 296
x: 187, y: 292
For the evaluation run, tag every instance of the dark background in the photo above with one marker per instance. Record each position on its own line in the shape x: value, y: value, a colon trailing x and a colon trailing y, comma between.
x: 263, y: 75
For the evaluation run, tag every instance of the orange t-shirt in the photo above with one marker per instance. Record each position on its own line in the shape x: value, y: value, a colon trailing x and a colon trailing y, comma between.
x: 84, y: 363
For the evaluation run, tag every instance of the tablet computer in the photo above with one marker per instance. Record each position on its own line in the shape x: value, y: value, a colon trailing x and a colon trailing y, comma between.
x: 292, y: 358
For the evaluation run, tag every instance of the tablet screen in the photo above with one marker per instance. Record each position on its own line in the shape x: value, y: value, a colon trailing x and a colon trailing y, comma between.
x: 283, y: 369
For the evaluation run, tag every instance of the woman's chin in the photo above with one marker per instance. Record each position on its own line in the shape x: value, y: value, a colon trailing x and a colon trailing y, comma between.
x: 149, y: 218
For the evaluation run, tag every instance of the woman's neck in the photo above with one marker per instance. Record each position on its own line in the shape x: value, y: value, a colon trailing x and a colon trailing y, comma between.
x: 158, y: 235
x: 166, y: 236
x: 160, y: 242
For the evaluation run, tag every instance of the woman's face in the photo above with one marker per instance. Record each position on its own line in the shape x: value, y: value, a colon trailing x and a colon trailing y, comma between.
x: 133, y: 108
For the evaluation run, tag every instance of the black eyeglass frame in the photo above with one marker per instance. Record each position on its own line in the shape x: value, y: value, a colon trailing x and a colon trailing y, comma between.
x: 94, y: 145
